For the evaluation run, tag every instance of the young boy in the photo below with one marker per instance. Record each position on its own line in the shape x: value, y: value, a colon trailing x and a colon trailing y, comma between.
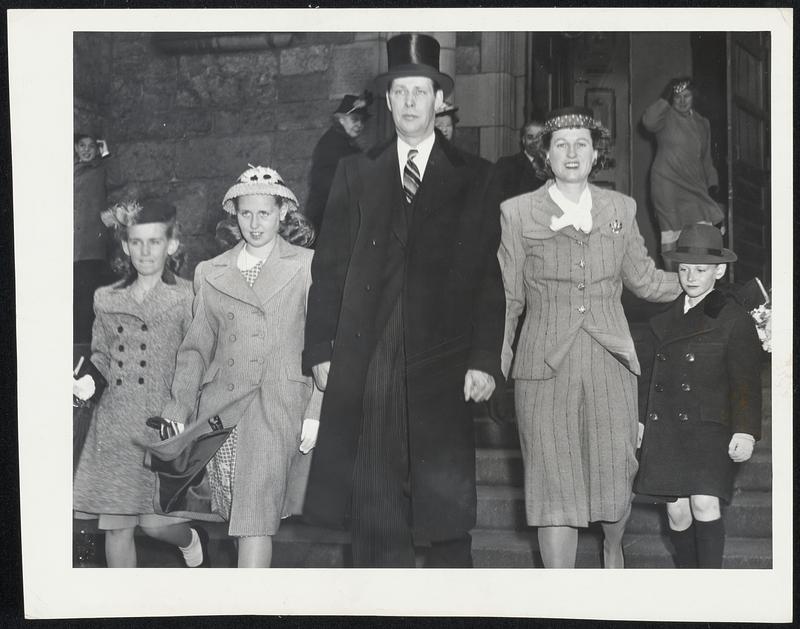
x: 704, y: 403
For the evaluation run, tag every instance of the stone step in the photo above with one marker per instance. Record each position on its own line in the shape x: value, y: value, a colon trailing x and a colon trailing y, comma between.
x: 749, y: 515
x: 503, y: 466
x: 301, y: 546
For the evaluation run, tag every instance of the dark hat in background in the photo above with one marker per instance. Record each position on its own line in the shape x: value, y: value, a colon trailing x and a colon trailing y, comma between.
x: 700, y: 244
x: 413, y: 54
x: 573, y: 118
x: 354, y: 104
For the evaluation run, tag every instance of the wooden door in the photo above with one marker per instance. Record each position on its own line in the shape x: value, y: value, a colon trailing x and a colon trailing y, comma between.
x: 749, y: 207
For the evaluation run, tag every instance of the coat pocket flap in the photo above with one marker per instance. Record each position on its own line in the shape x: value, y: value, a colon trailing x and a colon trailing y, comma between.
x: 210, y: 374
x: 295, y: 374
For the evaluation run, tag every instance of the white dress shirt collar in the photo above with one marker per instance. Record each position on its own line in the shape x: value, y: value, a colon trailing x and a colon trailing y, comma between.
x: 421, y: 160
x: 691, y: 302
x: 247, y: 260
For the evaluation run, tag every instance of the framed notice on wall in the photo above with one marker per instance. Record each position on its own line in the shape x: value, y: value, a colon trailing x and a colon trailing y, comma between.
x: 602, y: 102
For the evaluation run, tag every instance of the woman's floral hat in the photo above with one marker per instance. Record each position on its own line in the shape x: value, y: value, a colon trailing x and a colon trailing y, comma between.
x: 258, y: 180
x: 132, y: 212
x: 573, y: 118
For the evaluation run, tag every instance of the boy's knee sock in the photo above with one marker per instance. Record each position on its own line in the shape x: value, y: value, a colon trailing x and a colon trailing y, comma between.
x: 193, y: 553
x: 685, y: 547
x: 710, y: 543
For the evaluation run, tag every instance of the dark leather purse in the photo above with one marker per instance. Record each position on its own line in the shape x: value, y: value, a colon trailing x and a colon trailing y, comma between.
x: 181, y: 469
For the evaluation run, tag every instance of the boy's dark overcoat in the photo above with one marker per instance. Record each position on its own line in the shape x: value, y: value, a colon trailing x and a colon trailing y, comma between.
x: 442, y: 261
x: 706, y: 368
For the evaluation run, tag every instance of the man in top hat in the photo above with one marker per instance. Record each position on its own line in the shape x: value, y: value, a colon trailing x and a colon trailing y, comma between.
x: 337, y: 142
x: 404, y: 328
x: 523, y: 171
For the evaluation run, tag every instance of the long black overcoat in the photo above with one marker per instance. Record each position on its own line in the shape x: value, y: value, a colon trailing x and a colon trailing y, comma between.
x: 442, y: 262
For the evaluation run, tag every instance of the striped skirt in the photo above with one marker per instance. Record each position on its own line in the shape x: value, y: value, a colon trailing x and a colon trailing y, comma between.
x: 578, y: 437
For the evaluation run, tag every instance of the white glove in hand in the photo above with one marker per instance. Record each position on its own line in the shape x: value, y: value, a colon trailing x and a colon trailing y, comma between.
x: 740, y: 448
x: 478, y: 386
x: 83, y: 387
x: 639, y: 436
x: 308, y: 435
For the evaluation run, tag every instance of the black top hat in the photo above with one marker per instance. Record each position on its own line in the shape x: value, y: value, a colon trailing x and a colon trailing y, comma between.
x: 700, y: 244
x: 352, y: 104
x: 413, y: 54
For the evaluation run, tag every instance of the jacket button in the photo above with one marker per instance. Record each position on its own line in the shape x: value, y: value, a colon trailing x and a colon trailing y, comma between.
x: 121, y: 348
x: 230, y: 361
x: 683, y: 416
x: 141, y: 380
x: 581, y: 285
x: 119, y: 329
x: 260, y: 360
x: 230, y: 387
x: 119, y: 381
x: 661, y: 357
x: 581, y: 309
x: 119, y: 363
x: 581, y: 263
x: 230, y: 315
x: 358, y: 335
x: 652, y: 416
x: 686, y: 386
x: 144, y: 327
x: 368, y: 288
x: 143, y: 363
x: 659, y: 387
x: 232, y: 338
x: 689, y: 357
x: 374, y: 243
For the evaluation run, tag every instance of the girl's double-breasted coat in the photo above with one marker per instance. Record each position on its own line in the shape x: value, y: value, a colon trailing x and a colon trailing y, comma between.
x: 705, y: 385
x: 134, y: 347
x: 242, y: 357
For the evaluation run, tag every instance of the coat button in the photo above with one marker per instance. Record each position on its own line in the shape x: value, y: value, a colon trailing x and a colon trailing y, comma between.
x: 652, y: 416
x: 374, y: 243
x: 661, y: 357
x: 230, y: 315
x: 119, y: 363
x: 683, y: 416
x: 232, y: 338
x: 260, y: 360
x: 581, y: 285
x: 581, y: 309
x: 368, y: 288
x: 686, y: 387
x: 144, y: 327
x: 143, y: 347
x: 581, y: 263
x: 119, y: 381
x: 659, y: 387
x: 143, y: 363
x: 121, y: 348
x: 358, y: 335
x: 141, y: 380
x: 230, y: 387
x: 230, y: 362
x: 689, y: 357
x: 119, y: 329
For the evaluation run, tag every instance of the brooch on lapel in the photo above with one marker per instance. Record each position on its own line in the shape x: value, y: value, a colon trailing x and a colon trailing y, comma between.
x: 615, y: 226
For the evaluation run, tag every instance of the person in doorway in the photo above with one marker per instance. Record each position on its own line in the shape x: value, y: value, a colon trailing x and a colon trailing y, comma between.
x: 446, y: 120
x: 139, y: 325
x: 704, y: 403
x: 337, y: 142
x: 405, y: 326
x: 523, y: 171
x: 566, y: 251
x: 683, y: 180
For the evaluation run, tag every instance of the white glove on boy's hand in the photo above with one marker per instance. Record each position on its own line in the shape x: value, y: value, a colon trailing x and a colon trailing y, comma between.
x: 83, y: 388
x: 741, y: 447
x: 308, y: 435
x: 639, y: 436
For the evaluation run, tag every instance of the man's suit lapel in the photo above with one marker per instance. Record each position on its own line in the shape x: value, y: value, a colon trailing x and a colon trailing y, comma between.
x: 384, y: 192
x: 440, y: 181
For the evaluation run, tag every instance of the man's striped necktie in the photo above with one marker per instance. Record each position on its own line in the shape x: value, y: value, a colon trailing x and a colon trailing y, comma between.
x: 411, y: 178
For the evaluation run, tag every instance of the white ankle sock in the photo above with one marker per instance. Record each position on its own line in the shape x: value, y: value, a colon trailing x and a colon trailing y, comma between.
x: 193, y: 553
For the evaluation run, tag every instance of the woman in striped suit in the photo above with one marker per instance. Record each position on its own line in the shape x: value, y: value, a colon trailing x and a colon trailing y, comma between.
x: 566, y: 251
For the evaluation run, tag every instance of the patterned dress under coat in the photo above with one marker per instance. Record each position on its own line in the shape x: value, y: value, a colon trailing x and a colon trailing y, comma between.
x: 576, y: 366
x: 134, y: 346
x: 242, y: 355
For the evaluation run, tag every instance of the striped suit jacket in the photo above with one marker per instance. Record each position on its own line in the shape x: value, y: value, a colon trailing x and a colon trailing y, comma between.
x: 571, y: 281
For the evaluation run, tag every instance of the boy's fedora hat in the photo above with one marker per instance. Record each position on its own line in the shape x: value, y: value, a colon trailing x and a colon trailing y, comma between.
x: 413, y: 54
x: 700, y: 244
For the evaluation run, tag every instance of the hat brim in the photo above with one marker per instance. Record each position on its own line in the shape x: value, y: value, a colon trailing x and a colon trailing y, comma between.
x: 700, y: 258
x: 259, y: 188
x: 382, y: 81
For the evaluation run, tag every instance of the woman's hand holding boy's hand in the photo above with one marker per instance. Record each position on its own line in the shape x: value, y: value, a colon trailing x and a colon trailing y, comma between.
x: 308, y: 435
x: 740, y: 448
